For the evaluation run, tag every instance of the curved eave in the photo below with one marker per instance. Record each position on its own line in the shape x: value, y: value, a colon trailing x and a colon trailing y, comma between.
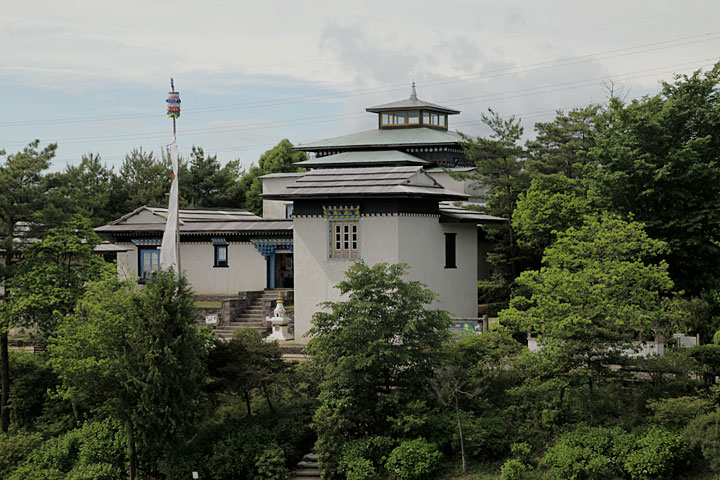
x: 438, y: 109
x: 404, y: 163
x: 375, y: 145
x: 251, y: 228
x: 331, y: 195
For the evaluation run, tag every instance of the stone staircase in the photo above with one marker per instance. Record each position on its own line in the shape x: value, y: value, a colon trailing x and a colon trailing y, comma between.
x: 307, y: 468
x: 251, y: 317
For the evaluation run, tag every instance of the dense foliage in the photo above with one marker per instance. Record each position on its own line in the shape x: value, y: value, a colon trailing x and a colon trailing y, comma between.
x: 610, y: 241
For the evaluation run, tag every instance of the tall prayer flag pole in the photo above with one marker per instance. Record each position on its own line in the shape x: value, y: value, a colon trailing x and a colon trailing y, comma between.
x: 170, y: 248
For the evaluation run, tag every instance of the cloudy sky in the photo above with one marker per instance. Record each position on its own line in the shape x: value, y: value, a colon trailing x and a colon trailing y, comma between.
x: 93, y: 75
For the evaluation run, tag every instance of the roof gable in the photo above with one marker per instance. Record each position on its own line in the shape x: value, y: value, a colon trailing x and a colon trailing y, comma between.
x: 366, y: 158
x: 412, y: 103
x: 404, y: 137
x: 409, y: 182
x: 149, y: 214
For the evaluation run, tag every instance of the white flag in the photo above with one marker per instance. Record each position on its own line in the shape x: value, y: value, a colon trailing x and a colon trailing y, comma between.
x: 169, y: 251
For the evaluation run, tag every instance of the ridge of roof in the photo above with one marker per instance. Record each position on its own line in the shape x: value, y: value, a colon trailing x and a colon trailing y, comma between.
x: 364, y: 157
x: 407, y: 181
x: 412, y: 103
x: 191, y: 214
x: 386, y: 138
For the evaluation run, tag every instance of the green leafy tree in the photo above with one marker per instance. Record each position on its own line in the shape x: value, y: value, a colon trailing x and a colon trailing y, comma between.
x: 707, y: 358
x: 499, y: 160
x: 142, y: 180
x: 22, y: 202
x: 279, y: 159
x: 247, y: 363
x: 52, y: 276
x: 207, y: 184
x: 137, y: 357
x: 598, y: 291
x: 557, y: 161
x: 377, y: 349
x: 87, y: 189
x: 562, y: 146
x: 659, y: 160
x: 545, y: 210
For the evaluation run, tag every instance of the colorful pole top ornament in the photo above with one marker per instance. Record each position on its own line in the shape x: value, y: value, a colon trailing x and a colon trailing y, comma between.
x: 173, y: 102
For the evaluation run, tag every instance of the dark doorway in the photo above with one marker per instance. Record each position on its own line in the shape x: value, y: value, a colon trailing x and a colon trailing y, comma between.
x: 283, y: 269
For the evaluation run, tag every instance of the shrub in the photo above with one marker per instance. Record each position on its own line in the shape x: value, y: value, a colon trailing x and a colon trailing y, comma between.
x: 703, y: 434
x: 658, y: 454
x: 485, y: 437
x: 513, y: 470
x: 678, y: 412
x: 357, y: 468
x: 270, y: 464
x: 31, y: 379
x: 362, y: 458
x: 94, y: 451
x: 413, y: 460
x: 590, y: 453
x: 14, y: 449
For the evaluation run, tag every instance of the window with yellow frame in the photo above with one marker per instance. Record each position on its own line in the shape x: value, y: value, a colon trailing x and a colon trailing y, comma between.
x: 400, y: 118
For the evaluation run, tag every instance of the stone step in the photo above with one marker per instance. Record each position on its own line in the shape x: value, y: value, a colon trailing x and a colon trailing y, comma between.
x: 241, y: 326
x: 310, y: 457
x: 240, y: 321
x: 232, y: 330
x: 307, y: 473
x: 304, y: 464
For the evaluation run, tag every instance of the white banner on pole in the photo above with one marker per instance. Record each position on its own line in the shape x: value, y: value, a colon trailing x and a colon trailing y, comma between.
x: 169, y: 247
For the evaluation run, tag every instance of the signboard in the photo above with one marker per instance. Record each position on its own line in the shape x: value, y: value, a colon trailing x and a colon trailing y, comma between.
x: 463, y: 328
x: 211, y: 319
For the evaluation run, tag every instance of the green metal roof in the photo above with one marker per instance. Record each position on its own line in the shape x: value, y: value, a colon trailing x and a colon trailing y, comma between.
x: 412, y: 103
x: 451, y: 169
x: 372, y: 182
x: 285, y: 174
x: 402, y: 137
x: 371, y: 158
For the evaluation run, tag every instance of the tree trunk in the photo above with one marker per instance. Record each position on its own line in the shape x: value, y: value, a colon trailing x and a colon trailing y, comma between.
x: 267, y: 399
x: 132, y: 456
x: 4, y: 383
x: 247, y: 403
x: 75, y: 411
x: 590, y: 396
x: 558, y: 417
x: 460, y: 432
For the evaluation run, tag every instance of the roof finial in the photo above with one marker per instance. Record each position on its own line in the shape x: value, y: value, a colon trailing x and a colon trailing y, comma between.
x: 413, y: 93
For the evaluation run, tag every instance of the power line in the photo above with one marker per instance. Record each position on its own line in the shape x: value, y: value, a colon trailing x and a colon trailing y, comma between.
x: 699, y: 38
x: 542, y: 89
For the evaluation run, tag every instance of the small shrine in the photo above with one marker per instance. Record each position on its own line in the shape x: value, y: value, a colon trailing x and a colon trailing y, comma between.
x: 279, y: 322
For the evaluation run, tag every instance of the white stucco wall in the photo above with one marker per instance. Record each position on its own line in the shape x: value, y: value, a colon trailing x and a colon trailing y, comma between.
x: 466, y: 185
x: 271, y: 184
x: 274, y: 209
x: 418, y: 241
x: 424, y: 238
x: 246, y: 268
x: 145, y: 216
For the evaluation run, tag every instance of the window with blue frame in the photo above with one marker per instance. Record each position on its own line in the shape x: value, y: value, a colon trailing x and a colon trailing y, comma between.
x: 149, y: 262
x: 289, y: 210
x: 221, y: 255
